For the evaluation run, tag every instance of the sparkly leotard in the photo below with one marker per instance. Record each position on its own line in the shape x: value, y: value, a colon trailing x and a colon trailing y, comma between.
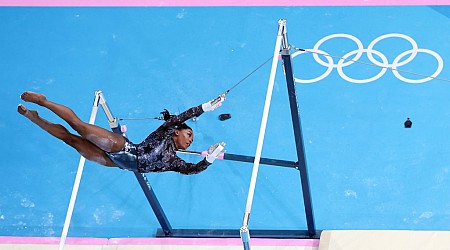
x: 157, y: 153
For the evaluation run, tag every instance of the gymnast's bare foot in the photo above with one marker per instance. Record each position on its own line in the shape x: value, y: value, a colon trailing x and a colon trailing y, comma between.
x: 33, y: 97
x: 30, y: 114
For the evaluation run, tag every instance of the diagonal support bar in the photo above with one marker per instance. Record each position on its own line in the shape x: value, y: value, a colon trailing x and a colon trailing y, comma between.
x: 142, y: 179
x: 154, y: 203
x: 295, y: 114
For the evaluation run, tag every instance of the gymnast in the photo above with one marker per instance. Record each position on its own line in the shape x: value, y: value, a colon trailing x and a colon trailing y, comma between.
x: 157, y: 153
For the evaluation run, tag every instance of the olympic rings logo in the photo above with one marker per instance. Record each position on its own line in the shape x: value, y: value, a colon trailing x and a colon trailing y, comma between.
x: 384, y: 65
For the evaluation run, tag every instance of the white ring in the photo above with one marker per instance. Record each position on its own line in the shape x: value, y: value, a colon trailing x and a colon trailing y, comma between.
x: 370, y: 51
x: 426, y: 79
x: 330, y: 67
x: 409, y: 59
x: 345, y: 77
x: 356, y: 40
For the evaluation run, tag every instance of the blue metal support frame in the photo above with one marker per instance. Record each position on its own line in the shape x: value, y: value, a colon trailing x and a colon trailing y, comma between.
x: 235, y: 233
x: 286, y: 56
x: 167, y: 231
x: 250, y: 159
x: 141, y: 178
x: 154, y: 203
x: 300, y: 165
x: 152, y: 199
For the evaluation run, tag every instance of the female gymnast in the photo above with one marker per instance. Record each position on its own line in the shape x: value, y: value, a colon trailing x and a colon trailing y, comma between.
x: 157, y: 153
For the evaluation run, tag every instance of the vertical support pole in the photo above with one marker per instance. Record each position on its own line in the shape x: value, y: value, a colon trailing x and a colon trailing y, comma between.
x: 245, y: 235
x: 286, y: 56
x: 76, y: 185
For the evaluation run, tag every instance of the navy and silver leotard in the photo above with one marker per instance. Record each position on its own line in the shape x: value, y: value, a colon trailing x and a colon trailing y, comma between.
x: 157, y: 153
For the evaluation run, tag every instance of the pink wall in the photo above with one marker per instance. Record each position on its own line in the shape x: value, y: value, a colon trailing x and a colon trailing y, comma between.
x: 160, y: 241
x: 220, y: 2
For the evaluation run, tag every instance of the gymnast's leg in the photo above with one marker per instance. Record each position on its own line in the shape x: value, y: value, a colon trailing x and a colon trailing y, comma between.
x: 83, y: 146
x: 102, y: 138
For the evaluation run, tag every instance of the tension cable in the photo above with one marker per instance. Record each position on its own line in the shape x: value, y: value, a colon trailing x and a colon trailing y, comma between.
x: 225, y: 93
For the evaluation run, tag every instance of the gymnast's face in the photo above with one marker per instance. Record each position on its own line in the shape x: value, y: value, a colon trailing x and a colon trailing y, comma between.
x: 183, y: 138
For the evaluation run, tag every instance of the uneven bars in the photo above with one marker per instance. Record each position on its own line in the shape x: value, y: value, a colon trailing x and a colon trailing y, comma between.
x: 245, y: 158
x: 245, y: 235
x: 76, y: 185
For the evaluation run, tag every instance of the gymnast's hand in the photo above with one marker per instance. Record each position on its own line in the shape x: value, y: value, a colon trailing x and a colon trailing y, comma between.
x: 213, y: 104
x: 214, y: 151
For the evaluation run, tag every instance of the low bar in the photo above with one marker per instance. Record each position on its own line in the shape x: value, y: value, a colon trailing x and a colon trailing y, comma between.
x: 249, y: 159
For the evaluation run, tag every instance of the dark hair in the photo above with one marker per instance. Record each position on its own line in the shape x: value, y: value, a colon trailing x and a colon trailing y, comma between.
x: 182, y: 126
x: 166, y: 115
